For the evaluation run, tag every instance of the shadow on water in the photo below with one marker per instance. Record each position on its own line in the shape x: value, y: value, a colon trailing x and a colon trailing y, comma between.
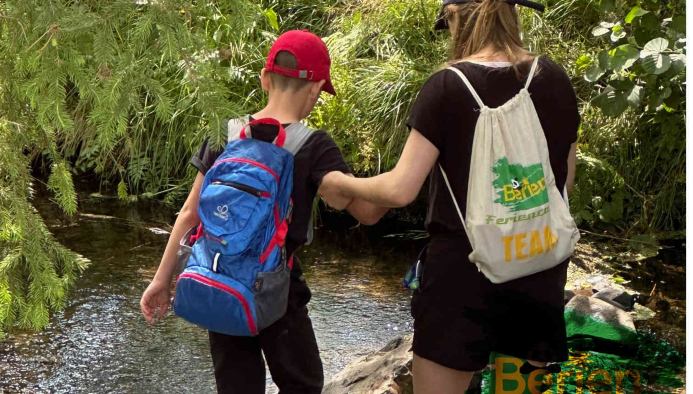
x: 101, y: 343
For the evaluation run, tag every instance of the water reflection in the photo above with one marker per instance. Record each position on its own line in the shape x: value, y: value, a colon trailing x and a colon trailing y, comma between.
x: 101, y: 343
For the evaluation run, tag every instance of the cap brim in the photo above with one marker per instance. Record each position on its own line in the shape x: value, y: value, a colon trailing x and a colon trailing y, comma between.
x: 328, y: 88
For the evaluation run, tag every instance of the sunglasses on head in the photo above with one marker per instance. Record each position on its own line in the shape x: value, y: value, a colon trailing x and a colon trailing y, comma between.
x: 442, y: 23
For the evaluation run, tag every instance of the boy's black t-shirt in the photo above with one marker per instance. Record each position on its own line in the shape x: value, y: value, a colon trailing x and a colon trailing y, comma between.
x: 317, y: 157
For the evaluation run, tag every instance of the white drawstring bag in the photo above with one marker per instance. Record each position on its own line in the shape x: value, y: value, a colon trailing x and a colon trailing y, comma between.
x: 517, y: 221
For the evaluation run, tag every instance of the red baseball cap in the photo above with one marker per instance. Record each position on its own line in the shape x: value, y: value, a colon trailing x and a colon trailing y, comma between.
x: 310, y: 52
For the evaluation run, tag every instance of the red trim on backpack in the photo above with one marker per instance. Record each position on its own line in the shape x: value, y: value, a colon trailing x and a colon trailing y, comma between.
x: 277, y: 219
x: 291, y: 262
x: 251, y: 162
x: 197, y: 235
x: 230, y: 290
x: 281, y: 136
x: 270, y: 249
x: 265, y: 195
x: 281, y: 233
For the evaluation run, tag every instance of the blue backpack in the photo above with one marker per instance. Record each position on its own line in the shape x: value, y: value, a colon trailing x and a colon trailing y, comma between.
x: 236, y: 279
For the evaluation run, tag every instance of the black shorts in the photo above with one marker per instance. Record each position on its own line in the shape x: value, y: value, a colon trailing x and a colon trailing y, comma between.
x: 460, y: 317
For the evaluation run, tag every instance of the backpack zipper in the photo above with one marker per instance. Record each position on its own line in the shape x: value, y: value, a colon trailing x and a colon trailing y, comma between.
x: 244, y: 188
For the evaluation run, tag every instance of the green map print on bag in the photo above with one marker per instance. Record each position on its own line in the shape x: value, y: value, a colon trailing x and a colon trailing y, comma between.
x: 519, y: 188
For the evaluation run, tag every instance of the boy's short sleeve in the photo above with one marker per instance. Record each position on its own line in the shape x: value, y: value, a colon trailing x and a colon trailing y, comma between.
x: 205, y: 157
x: 326, y: 157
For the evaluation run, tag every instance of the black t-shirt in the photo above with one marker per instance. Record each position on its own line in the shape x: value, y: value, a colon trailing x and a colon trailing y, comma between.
x: 445, y: 112
x: 317, y: 157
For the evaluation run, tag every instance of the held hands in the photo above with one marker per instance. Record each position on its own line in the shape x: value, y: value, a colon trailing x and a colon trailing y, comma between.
x: 157, y: 296
x: 331, y: 190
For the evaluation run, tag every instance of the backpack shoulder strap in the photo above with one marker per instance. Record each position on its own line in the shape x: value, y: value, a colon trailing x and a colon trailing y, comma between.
x: 296, y: 136
x: 469, y: 86
x: 234, y: 127
x: 532, y: 71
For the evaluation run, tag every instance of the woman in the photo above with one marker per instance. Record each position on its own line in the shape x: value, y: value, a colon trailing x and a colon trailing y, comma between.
x: 460, y: 316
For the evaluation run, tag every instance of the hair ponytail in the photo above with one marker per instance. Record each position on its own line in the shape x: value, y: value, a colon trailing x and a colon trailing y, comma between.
x: 493, y: 24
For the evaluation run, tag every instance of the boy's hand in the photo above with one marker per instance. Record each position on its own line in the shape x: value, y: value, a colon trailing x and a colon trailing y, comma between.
x: 157, y: 295
x: 331, y: 192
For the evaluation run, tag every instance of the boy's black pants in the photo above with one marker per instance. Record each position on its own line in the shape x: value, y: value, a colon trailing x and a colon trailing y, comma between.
x: 289, y: 347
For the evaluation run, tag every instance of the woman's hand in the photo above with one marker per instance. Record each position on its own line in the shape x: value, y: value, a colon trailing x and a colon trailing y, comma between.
x: 398, y: 187
x: 155, y: 300
x: 331, y: 190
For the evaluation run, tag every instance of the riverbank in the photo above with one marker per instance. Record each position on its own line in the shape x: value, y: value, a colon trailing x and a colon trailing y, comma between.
x: 100, y: 342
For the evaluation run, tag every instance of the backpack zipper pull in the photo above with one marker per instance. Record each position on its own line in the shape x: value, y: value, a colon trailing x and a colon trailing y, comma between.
x: 216, y: 260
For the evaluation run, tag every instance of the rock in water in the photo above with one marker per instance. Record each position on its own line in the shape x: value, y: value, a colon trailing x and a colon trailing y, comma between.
x: 617, y: 298
x: 387, y: 371
x: 592, y: 324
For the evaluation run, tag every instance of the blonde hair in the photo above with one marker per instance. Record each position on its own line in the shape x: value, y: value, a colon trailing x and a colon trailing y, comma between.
x: 490, y: 24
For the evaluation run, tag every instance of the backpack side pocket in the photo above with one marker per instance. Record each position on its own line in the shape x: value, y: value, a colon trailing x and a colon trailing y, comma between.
x: 271, y: 292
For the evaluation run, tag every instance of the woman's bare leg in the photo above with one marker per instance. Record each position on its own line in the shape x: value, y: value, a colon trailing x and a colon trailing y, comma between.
x: 433, y: 378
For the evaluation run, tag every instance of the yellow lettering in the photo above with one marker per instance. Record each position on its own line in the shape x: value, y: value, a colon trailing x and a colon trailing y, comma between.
x: 636, y: 381
x: 509, y: 192
x: 508, y: 241
x: 548, y: 381
x: 535, y: 247
x: 535, y: 188
x: 579, y: 382
x: 593, y: 384
x: 520, y: 246
x: 540, y: 182
x: 561, y: 381
x: 550, y: 239
x: 533, y: 383
x: 518, y: 195
x: 502, y: 376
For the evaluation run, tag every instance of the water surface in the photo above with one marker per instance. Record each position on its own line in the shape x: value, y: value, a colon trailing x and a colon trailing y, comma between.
x: 100, y: 343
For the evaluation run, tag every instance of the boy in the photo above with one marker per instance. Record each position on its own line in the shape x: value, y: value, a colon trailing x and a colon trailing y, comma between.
x: 297, y: 70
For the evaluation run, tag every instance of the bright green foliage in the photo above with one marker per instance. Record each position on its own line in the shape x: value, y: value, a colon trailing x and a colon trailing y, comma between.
x: 126, y: 89
x: 632, y: 165
x: 129, y: 89
x: 35, y: 270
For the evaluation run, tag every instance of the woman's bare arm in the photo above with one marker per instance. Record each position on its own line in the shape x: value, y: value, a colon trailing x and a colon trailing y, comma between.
x: 396, y: 188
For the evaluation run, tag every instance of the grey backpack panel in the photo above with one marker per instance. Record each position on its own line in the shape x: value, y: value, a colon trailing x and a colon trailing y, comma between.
x: 297, y: 134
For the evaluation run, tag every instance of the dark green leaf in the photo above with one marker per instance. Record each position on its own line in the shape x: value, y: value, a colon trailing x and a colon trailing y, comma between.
x: 623, y: 57
x: 621, y: 84
x: 606, y: 6
x: 604, y: 60
x: 656, y: 46
x: 642, y: 36
x: 649, y: 21
x: 635, y: 12
x: 678, y: 63
x: 593, y: 73
x: 656, y: 64
x: 678, y: 24
x: 611, y: 102
x: 654, y: 61
x: 666, y: 92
